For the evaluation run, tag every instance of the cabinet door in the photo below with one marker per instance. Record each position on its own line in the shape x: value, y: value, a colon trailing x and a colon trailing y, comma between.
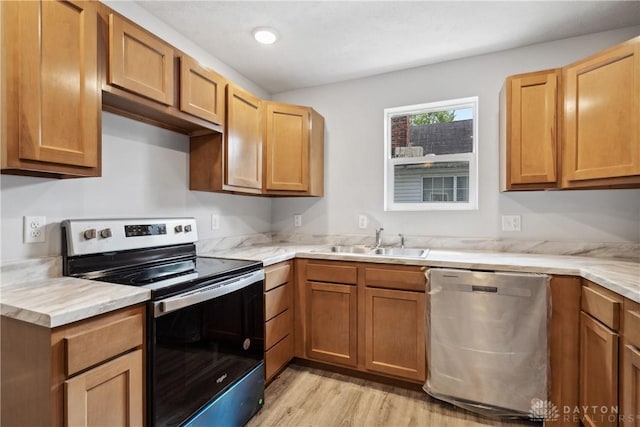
x: 53, y: 66
x: 602, y: 106
x: 110, y: 394
x: 598, y: 372
x: 331, y: 323
x: 287, y: 145
x: 532, y: 130
x: 630, y: 398
x: 395, y: 333
x: 201, y: 91
x: 139, y: 62
x: 243, y: 140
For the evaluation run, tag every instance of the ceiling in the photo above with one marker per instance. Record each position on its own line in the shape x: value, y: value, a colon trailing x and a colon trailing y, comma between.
x: 328, y: 41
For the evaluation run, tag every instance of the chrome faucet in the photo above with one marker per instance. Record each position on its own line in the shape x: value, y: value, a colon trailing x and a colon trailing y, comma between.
x: 401, y: 240
x: 379, y: 237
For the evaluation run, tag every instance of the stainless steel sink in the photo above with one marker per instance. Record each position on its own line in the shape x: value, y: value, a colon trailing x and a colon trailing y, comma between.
x: 400, y: 252
x: 367, y: 250
x: 350, y: 249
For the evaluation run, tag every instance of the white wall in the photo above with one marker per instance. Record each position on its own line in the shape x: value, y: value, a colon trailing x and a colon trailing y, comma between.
x: 145, y: 172
x: 353, y: 112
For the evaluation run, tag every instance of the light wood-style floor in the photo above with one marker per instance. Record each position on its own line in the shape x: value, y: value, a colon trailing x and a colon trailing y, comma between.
x: 302, y: 396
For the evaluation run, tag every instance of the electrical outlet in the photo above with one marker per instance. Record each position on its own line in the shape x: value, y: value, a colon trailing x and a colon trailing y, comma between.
x: 511, y: 223
x: 215, y: 222
x: 362, y: 221
x: 297, y: 220
x: 33, y: 230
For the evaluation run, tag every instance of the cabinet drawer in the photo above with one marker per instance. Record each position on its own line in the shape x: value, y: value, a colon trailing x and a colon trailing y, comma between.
x: 277, y: 300
x: 278, y: 356
x: 404, y: 279
x: 344, y: 274
x: 103, y: 341
x: 277, y: 328
x: 276, y: 275
x: 632, y: 327
x: 602, y: 306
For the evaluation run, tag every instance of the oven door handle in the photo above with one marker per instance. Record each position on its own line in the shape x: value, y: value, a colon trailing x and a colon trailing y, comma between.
x: 207, y: 293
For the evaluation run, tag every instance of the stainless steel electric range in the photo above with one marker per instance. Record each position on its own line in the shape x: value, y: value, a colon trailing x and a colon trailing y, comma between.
x: 205, y: 320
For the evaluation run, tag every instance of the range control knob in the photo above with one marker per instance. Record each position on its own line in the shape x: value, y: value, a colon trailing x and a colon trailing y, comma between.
x: 178, y: 228
x: 90, y: 233
x: 106, y: 233
x: 187, y: 228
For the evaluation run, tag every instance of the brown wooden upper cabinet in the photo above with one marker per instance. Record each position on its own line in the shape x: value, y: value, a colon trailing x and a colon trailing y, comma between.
x: 49, y: 128
x: 269, y: 149
x: 529, y: 133
x: 594, y: 142
x: 139, y: 61
x: 147, y: 79
x: 201, y: 91
x: 243, y: 142
x: 294, y: 140
x: 601, y: 116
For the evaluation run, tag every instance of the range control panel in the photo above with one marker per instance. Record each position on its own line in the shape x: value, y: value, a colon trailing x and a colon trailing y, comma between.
x: 145, y: 230
x: 90, y: 236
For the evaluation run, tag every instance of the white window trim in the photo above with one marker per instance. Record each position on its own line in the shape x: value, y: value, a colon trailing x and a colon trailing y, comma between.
x: 472, y: 158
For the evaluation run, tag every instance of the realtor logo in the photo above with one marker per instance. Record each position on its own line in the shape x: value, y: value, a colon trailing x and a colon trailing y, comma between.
x: 543, y: 410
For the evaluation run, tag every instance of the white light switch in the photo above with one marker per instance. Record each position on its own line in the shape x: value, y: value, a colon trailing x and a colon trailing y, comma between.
x: 511, y: 223
x: 215, y: 222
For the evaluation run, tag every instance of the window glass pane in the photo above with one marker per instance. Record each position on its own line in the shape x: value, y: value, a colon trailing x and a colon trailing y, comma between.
x: 433, y: 132
x: 463, y: 182
x: 431, y: 182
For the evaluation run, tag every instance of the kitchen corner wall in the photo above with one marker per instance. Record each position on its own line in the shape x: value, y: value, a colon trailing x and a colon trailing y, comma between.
x: 145, y: 172
x: 353, y: 112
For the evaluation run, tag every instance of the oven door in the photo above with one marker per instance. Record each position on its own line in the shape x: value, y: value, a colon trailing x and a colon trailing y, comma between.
x: 201, y: 343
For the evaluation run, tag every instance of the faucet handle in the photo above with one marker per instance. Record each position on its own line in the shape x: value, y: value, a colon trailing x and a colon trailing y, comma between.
x: 401, y: 240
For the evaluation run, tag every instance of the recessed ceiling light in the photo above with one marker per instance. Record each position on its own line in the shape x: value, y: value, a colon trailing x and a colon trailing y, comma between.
x: 265, y: 35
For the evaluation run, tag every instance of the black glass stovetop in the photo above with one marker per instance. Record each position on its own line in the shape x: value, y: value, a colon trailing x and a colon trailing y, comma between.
x: 179, y: 276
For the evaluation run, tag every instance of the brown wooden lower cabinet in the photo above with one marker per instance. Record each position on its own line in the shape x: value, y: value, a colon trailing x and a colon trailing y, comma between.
x: 598, y: 372
x: 278, y: 313
x: 277, y: 357
x: 109, y: 394
x: 89, y: 372
x: 341, y: 320
x: 331, y: 323
x: 599, y: 355
x: 395, y: 333
x: 630, y: 370
x: 630, y: 366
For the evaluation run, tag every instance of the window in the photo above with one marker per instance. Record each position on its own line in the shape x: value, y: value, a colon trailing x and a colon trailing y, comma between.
x: 431, y: 153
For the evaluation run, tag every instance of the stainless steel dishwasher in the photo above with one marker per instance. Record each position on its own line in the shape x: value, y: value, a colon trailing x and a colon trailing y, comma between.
x: 487, y: 340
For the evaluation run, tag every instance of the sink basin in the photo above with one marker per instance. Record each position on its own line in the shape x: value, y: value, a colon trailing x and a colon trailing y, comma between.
x: 350, y: 249
x: 402, y: 252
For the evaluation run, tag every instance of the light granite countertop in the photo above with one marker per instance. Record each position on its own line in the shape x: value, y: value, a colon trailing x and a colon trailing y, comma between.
x: 58, y: 301
x: 35, y: 292
x: 622, y: 277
